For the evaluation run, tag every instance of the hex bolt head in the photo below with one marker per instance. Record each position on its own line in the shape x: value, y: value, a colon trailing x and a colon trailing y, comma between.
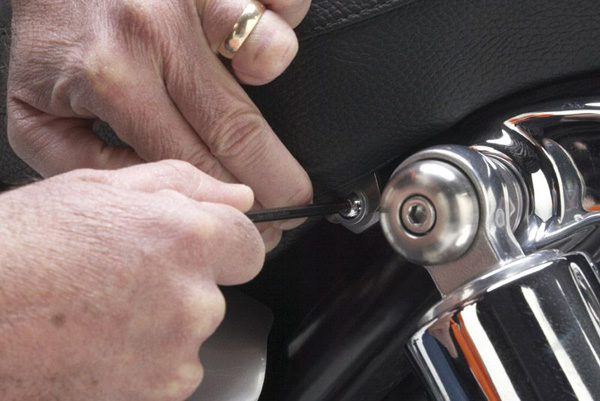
x: 418, y: 215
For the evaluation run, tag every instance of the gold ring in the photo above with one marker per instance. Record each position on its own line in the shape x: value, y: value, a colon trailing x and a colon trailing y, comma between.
x: 242, y: 29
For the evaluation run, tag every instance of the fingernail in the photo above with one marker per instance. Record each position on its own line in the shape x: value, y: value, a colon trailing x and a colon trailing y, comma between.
x: 289, y: 224
x: 271, y: 237
x: 247, y: 197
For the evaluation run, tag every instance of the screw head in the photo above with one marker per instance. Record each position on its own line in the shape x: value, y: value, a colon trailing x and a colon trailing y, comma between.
x: 418, y: 215
x: 355, y: 209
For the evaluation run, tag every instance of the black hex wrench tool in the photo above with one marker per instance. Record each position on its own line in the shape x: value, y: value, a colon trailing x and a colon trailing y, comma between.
x: 288, y: 213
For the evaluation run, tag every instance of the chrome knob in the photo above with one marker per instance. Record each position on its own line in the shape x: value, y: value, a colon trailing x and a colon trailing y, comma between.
x: 430, y: 212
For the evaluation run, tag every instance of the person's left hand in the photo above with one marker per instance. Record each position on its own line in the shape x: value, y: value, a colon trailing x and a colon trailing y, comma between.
x: 149, y: 68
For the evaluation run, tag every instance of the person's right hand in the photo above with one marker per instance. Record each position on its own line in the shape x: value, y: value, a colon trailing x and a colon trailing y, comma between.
x: 108, y: 281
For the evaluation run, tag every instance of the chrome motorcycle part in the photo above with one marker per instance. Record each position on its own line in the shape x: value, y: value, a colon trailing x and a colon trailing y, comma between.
x: 239, y: 348
x: 525, y: 272
x: 450, y: 204
x: 561, y: 212
x: 365, y: 197
x: 528, y: 331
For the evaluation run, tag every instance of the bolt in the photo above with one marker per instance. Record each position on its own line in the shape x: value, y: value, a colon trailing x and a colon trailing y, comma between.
x: 355, y: 208
x: 418, y: 215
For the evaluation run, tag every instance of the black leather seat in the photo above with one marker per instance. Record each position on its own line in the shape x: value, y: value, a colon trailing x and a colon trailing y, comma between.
x: 376, y: 78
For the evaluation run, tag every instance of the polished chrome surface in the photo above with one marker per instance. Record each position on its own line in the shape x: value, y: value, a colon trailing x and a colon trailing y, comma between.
x: 477, y: 200
x: 453, y: 201
x: 528, y: 331
x: 522, y: 327
x: 235, y: 357
x: 522, y: 180
x: 418, y: 215
x: 561, y: 210
x: 366, y: 196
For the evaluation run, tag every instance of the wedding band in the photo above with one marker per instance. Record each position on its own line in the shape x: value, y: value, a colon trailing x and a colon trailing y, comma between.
x: 242, y: 29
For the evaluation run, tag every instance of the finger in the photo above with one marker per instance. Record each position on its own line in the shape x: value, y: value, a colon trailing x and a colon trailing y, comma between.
x: 268, y: 50
x: 53, y: 145
x: 205, y: 304
x: 134, y: 102
x: 267, y: 53
x: 228, y: 11
x: 234, y: 130
x: 239, y: 252
x: 215, y: 241
x: 181, y: 177
x: 293, y: 11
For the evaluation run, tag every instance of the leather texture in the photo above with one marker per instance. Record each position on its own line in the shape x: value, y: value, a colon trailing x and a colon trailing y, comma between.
x: 364, y: 94
x: 326, y: 16
x: 375, y: 79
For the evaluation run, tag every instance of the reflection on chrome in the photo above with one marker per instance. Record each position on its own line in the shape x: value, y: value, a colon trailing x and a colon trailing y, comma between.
x: 499, y: 384
x: 530, y: 338
x: 555, y: 344
x: 519, y: 317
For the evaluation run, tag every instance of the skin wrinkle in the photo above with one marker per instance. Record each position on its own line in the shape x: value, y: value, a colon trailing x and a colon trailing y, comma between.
x: 112, y: 255
x: 240, y: 129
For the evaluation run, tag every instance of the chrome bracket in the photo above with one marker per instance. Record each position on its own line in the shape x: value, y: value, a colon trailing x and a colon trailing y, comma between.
x: 513, y: 250
x: 477, y: 201
x: 526, y: 191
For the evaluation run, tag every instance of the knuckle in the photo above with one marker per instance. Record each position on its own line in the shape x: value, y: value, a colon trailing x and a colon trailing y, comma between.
x: 188, y: 378
x: 242, y: 249
x: 191, y: 376
x: 136, y: 18
x: 239, y: 136
x: 302, y: 192
x: 141, y: 24
x: 275, y: 54
x: 206, y: 308
x: 172, y: 217
x: 105, y: 71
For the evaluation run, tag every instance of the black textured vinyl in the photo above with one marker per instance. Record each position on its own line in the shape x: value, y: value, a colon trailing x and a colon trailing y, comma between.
x: 359, y: 96
x: 375, y: 78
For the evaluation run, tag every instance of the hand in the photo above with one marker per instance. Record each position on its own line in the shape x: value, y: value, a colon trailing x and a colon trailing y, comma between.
x: 149, y: 69
x: 108, y: 281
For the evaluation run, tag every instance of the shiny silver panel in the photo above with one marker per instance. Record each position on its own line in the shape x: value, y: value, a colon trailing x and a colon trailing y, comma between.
x: 475, y: 194
x: 522, y: 327
x: 561, y: 208
x: 453, y: 202
x: 529, y: 331
x: 235, y: 357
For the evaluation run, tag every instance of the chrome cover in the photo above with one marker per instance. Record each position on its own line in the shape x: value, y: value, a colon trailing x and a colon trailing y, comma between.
x: 235, y: 357
x: 529, y: 331
x: 519, y: 317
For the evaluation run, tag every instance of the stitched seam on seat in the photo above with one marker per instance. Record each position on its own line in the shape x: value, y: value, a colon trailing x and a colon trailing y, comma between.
x: 356, y: 17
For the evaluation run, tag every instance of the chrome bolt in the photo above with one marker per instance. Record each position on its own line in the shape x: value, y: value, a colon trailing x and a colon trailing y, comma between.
x: 356, y: 207
x: 418, y: 215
